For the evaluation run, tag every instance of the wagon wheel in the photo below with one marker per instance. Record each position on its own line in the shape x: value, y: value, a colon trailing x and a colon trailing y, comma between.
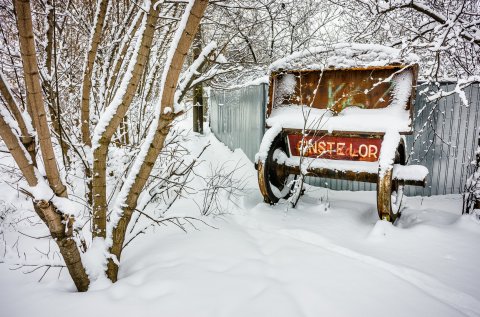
x: 274, y: 182
x: 390, y: 191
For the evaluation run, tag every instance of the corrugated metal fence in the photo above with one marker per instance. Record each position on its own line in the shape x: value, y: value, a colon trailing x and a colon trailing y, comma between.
x: 237, y: 117
x: 444, y: 138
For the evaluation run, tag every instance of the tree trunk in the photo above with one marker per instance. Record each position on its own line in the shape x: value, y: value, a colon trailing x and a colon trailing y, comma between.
x: 117, y: 63
x: 88, y: 70
x: 25, y: 137
x: 161, y: 129
x: 198, y: 90
x: 52, y: 93
x: 11, y: 140
x: 198, y: 108
x: 59, y: 225
x: 34, y: 94
x: 61, y: 232
x: 100, y: 151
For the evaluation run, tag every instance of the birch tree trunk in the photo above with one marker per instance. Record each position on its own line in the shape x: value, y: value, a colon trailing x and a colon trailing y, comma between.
x: 152, y: 147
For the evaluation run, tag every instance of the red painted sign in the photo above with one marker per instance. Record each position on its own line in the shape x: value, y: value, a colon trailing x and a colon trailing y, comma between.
x: 336, y: 148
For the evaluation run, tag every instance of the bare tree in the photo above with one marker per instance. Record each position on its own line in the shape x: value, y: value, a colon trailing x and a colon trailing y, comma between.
x: 471, y: 197
x: 132, y: 70
x: 252, y: 34
x: 443, y: 33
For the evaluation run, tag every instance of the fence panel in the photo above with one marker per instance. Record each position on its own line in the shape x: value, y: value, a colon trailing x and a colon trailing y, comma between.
x: 237, y: 117
x: 444, y: 138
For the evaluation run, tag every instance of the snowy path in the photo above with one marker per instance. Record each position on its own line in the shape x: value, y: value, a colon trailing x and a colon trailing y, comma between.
x: 461, y: 301
x: 268, y: 261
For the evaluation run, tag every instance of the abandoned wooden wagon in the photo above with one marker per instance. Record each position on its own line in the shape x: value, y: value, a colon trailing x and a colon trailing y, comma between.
x: 340, y: 112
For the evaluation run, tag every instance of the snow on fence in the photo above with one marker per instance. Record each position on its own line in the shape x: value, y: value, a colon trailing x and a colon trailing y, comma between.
x: 444, y: 138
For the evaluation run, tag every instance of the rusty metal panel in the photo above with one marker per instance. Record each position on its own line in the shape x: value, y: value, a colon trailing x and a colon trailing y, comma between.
x: 368, y: 88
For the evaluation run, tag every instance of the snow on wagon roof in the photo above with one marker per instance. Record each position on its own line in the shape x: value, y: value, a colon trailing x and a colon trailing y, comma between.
x: 343, y: 55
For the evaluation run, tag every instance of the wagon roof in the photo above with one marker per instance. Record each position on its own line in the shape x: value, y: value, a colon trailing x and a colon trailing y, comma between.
x: 342, y: 56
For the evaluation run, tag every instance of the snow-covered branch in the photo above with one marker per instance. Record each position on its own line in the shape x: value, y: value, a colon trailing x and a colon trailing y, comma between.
x: 187, y: 77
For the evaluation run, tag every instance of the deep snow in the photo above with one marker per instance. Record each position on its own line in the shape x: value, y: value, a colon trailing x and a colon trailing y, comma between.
x: 330, y: 256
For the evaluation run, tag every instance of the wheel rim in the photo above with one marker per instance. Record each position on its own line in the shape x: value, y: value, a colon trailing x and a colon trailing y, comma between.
x: 274, y: 184
x: 296, y: 191
x: 397, y: 197
x: 390, y: 195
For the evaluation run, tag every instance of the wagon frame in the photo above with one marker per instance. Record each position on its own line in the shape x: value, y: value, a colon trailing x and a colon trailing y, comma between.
x: 281, y: 172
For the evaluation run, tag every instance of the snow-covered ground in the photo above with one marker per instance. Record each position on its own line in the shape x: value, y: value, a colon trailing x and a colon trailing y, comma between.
x: 330, y: 256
